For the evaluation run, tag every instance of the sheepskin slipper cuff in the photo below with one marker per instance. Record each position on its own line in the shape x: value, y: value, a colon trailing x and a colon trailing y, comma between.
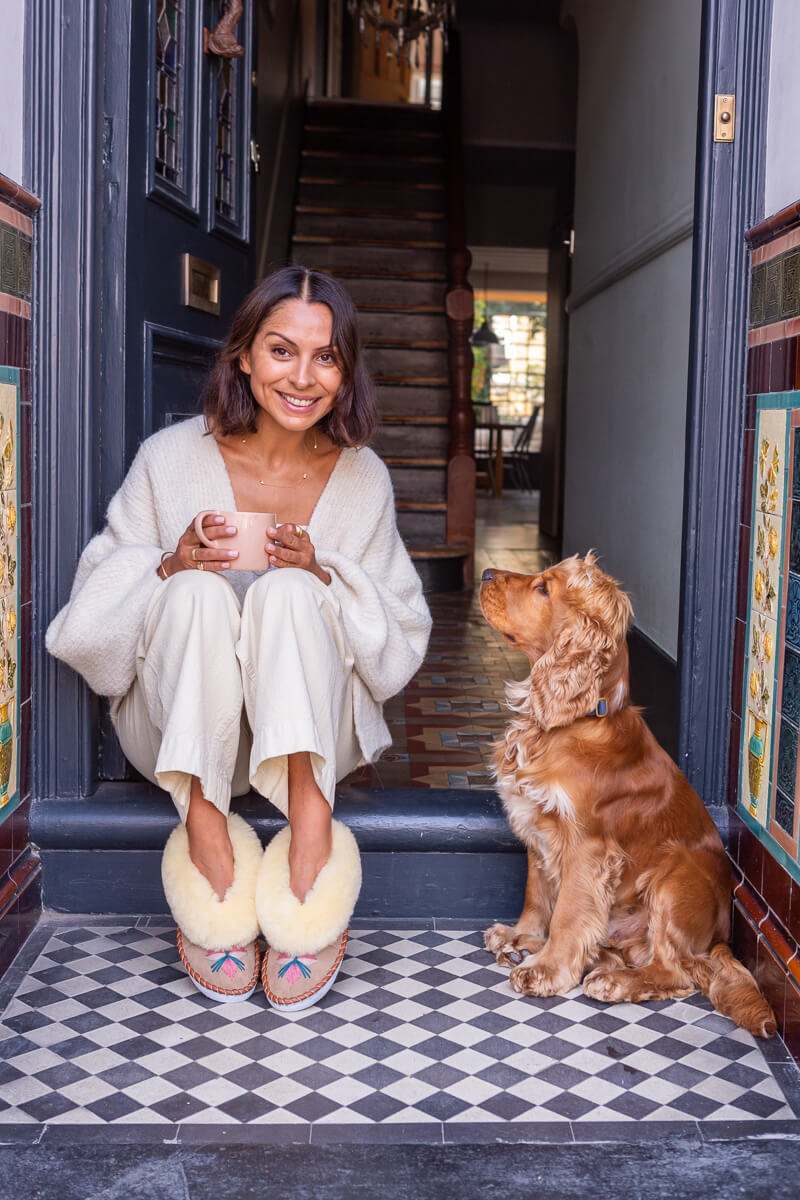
x: 307, y: 928
x: 198, y: 911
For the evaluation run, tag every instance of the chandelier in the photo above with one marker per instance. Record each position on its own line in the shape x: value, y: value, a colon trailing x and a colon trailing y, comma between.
x: 403, y: 21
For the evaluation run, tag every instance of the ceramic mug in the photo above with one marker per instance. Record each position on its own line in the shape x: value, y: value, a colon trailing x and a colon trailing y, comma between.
x: 249, y: 539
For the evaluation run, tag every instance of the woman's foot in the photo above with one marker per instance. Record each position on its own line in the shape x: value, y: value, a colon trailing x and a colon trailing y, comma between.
x: 210, y: 846
x: 310, y: 820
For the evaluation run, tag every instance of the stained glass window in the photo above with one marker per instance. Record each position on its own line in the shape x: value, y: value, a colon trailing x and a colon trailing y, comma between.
x: 169, y: 90
x: 225, y: 192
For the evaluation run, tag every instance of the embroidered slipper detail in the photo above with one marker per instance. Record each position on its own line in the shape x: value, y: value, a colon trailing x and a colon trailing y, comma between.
x: 227, y: 976
x: 295, y: 981
x: 319, y: 922
x: 196, y: 908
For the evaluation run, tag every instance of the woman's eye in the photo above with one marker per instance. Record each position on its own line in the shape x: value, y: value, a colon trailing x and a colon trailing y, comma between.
x: 327, y: 359
x: 281, y: 351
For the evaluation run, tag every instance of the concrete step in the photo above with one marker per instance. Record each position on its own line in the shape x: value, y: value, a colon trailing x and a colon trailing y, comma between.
x: 399, y: 400
x: 402, y: 362
x: 395, y: 144
x: 330, y: 164
x: 363, y: 258
x: 359, y: 114
x: 331, y: 223
x: 425, y: 852
x: 388, y: 326
x: 321, y: 187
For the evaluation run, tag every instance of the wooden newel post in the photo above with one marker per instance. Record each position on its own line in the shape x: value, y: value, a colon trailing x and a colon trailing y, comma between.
x: 459, y: 310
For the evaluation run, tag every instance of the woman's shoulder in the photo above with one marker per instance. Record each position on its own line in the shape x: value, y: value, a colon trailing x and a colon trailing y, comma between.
x: 362, y: 466
x: 181, y: 435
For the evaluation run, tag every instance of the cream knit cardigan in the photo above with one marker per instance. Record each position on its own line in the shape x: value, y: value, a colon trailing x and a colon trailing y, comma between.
x: 177, y: 473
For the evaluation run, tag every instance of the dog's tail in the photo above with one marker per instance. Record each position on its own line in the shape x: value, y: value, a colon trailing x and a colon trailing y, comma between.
x: 732, y: 989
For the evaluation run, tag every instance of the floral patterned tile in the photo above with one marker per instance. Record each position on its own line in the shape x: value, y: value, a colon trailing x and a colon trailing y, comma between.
x: 758, y: 716
x: 771, y: 460
x: 9, y: 544
x: 765, y: 581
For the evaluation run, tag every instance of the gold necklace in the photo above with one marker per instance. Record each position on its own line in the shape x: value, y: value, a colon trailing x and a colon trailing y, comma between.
x: 297, y: 482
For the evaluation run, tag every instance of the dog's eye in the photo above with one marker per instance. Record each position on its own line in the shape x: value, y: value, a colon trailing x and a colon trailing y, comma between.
x: 542, y: 587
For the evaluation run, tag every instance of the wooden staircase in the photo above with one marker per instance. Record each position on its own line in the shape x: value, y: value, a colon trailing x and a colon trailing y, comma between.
x: 371, y: 210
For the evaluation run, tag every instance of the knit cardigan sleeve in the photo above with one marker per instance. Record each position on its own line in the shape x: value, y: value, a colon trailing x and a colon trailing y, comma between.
x: 384, y: 613
x: 97, y: 631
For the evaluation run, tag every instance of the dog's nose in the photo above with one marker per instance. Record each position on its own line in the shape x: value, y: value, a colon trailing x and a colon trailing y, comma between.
x: 487, y: 576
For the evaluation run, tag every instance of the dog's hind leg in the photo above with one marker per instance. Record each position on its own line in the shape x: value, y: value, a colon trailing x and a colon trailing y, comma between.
x: 509, y: 943
x: 656, y: 981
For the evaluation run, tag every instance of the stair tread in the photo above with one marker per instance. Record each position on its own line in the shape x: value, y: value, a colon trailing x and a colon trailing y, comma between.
x: 133, y: 816
x: 447, y: 551
x: 411, y: 183
x: 361, y: 273
x: 360, y: 131
x: 412, y: 380
x: 427, y: 309
x: 323, y: 239
x: 402, y: 344
x: 421, y: 505
x: 402, y: 460
x: 379, y: 214
x: 392, y: 419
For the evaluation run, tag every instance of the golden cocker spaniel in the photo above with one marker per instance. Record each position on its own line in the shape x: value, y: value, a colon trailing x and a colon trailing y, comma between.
x: 627, y: 876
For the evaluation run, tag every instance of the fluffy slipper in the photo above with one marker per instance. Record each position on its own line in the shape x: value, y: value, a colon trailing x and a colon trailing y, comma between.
x: 295, y: 981
x: 222, y: 975
x: 325, y: 913
x: 203, y: 918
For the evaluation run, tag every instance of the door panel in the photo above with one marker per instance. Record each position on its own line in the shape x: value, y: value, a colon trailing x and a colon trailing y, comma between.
x: 177, y: 180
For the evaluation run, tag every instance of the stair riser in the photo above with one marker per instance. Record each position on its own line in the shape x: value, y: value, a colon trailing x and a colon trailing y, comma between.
x: 477, y: 886
x: 406, y: 117
x: 394, y: 326
x: 370, y: 259
x: 413, y: 401
x: 422, y: 529
x: 385, y: 229
x: 419, y: 483
x: 403, y: 170
x: 404, y: 363
x: 426, y: 441
x: 404, y: 293
x: 440, y: 574
x: 383, y: 144
x: 388, y: 198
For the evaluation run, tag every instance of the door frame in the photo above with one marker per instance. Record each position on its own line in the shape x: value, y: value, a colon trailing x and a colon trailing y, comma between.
x: 729, y: 198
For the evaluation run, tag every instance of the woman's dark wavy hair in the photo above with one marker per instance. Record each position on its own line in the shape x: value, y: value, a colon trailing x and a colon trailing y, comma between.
x: 228, y: 402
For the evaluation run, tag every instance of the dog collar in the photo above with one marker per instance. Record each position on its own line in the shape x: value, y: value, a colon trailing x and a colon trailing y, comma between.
x: 600, y: 709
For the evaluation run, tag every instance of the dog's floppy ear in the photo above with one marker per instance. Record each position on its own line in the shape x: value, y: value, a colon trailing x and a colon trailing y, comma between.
x: 565, y: 682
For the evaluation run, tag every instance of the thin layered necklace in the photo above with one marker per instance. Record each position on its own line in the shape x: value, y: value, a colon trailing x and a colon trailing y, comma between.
x: 297, y: 482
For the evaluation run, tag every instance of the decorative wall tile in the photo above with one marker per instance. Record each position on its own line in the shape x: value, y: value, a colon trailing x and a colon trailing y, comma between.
x: 765, y: 596
x: 15, y: 262
x: 770, y: 464
x: 759, y: 716
x: 9, y: 589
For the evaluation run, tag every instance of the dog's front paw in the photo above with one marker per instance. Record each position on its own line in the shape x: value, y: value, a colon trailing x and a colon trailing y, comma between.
x: 508, y: 946
x: 537, y: 978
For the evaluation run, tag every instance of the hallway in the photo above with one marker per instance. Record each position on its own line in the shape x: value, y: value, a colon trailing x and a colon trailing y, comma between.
x: 422, y: 1041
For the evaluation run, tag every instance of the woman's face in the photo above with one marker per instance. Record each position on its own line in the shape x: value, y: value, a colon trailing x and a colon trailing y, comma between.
x: 292, y: 365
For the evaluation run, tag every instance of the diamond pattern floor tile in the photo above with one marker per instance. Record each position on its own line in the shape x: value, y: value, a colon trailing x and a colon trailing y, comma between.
x: 105, y: 1028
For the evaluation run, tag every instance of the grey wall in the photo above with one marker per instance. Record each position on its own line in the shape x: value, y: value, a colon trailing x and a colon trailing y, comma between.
x: 12, y: 28
x: 629, y: 332
x: 783, y: 161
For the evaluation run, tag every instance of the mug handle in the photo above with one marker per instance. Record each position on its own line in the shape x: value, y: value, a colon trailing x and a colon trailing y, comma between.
x: 198, y: 525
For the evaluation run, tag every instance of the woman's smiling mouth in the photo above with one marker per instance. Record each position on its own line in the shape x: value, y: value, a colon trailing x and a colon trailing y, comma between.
x: 298, y: 402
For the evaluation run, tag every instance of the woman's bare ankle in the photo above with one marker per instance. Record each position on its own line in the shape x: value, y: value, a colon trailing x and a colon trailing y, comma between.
x: 210, y: 846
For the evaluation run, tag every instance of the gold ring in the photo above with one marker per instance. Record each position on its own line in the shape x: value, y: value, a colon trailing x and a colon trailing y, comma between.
x: 298, y: 531
x: 201, y: 566
x: 194, y: 554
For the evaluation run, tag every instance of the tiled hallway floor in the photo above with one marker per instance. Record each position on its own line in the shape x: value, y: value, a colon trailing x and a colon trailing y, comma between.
x: 446, y: 719
x: 421, y: 1040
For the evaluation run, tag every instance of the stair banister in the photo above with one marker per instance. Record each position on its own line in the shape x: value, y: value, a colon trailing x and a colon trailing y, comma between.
x: 459, y: 310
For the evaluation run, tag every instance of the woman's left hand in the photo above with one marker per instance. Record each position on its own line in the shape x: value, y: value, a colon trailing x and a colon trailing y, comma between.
x: 290, y: 546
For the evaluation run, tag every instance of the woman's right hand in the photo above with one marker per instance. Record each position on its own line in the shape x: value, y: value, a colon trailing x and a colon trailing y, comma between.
x: 192, y: 555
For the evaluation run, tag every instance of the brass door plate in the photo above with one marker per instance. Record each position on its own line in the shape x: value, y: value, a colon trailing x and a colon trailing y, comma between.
x: 724, y: 118
x: 200, y: 284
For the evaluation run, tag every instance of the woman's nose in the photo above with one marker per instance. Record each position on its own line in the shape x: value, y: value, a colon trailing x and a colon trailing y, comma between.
x: 302, y: 372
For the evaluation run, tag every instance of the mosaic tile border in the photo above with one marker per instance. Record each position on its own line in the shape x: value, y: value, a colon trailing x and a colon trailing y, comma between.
x: 16, y: 261
x: 10, y: 630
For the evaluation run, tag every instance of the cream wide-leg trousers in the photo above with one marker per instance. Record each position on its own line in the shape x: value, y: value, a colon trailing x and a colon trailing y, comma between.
x: 227, y: 694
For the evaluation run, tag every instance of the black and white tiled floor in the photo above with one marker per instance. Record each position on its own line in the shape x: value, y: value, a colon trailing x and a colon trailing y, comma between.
x: 422, y: 1039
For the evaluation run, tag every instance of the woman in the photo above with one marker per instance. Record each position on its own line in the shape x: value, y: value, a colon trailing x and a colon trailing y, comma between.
x: 223, y: 679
